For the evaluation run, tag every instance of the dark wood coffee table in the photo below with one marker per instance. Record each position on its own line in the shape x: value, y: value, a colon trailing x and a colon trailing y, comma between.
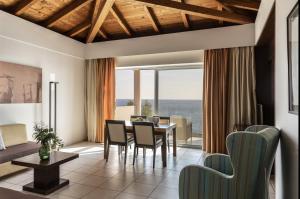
x: 46, y: 172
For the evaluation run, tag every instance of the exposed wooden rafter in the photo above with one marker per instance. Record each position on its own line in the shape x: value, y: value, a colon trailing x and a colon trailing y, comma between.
x: 22, y: 6
x: 153, y: 19
x: 103, y: 34
x: 95, y: 11
x: 67, y: 10
x: 80, y: 28
x: 247, y: 5
x: 121, y: 20
x: 105, y: 7
x: 199, y: 11
x: 220, y: 8
x: 185, y: 18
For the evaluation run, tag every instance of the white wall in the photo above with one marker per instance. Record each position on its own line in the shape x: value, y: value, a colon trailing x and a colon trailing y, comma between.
x: 195, y: 56
x: 226, y: 37
x: 287, y: 158
x: 55, y: 54
x: 262, y: 17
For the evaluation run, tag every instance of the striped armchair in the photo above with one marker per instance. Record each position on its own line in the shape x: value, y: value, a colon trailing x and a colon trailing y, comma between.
x: 243, y: 174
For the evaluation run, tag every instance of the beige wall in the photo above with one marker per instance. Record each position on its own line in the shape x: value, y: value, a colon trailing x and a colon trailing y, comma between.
x: 22, y: 45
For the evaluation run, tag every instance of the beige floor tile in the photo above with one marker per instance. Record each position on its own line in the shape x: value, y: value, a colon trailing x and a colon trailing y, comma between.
x: 94, y: 181
x: 116, y: 184
x: 140, y: 189
x: 76, y: 190
x: 57, y: 196
x: 149, y: 179
x: 75, y: 177
x: 6, y: 184
x: 129, y: 196
x: 101, y: 194
x: 164, y: 193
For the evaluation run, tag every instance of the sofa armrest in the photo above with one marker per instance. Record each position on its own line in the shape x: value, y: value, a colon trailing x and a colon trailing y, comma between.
x: 219, y: 162
x: 197, y: 182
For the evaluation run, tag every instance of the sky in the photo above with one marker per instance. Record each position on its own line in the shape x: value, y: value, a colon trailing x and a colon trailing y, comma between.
x: 173, y: 84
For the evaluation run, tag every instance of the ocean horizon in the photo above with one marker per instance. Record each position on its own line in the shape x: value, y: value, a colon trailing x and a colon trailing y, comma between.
x: 190, y: 109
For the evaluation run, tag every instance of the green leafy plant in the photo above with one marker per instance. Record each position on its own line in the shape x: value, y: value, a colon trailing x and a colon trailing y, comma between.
x: 46, y: 137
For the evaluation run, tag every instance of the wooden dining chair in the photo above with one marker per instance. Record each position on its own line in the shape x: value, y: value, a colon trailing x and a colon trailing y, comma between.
x: 144, y: 138
x: 166, y: 120
x: 117, y: 136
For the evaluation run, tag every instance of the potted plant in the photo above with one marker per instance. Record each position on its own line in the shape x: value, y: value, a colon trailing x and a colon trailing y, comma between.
x: 48, y: 140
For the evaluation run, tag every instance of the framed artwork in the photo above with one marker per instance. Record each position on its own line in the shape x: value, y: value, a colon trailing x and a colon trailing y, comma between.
x: 293, y: 59
x: 20, y: 83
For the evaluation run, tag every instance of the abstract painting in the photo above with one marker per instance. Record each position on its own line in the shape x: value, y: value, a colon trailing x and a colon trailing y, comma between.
x: 20, y: 83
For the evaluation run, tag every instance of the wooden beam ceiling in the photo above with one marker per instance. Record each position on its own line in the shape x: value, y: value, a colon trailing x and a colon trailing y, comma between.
x: 185, y: 18
x: 198, y: 11
x: 106, y: 6
x: 247, y: 5
x: 78, y: 29
x: 67, y: 10
x: 121, y: 20
x: 103, y: 34
x: 22, y: 6
x: 153, y: 19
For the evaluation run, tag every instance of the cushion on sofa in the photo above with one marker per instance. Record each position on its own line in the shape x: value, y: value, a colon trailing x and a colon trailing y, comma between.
x: 14, y: 134
x: 18, y: 151
x: 11, y: 194
x: 2, y: 145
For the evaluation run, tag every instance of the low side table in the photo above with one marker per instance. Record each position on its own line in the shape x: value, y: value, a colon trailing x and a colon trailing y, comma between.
x: 46, y: 172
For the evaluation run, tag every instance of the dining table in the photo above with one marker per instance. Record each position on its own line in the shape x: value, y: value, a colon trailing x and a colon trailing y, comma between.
x: 161, y: 129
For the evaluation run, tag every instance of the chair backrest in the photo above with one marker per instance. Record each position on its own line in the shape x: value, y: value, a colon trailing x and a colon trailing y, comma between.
x: 164, y: 120
x: 116, y: 131
x: 251, y: 155
x: 256, y: 128
x: 179, y: 121
x: 132, y: 117
x: 143, y: 133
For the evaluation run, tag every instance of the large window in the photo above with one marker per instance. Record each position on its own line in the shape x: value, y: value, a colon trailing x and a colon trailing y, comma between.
x: 124, y: 94
x: 180, y: 94
x: 124, y: 87
x: 174, y: 92
x: 147, y: 92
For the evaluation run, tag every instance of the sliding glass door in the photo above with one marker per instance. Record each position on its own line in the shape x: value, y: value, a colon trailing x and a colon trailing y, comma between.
x: 180, y: 97
x: 173, y: 92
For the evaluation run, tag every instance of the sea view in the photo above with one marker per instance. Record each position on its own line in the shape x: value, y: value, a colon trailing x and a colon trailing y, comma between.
x: 190, y: 109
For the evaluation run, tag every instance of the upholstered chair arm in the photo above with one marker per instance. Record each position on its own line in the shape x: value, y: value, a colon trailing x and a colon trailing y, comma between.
x: 197, y: 182
x: 219, y: 162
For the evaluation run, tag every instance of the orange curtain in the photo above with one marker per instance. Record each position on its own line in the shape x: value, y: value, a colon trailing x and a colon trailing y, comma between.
x: 229, y: 97
x: 214, y: 100
x: 99, y: 96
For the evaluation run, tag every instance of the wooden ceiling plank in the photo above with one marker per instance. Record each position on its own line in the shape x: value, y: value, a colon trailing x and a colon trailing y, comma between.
x: 247, y: 5
x: 65, y: 11
x: 153, y: 19
x: 106, y: 6
x: 22, y: 6
x: 95, y: 10
x: 220, y: 8
x: 103, y: 34
x: 78, y: 29
x: 185, y: 18
x: 198, y: 11
x: 121, y: 20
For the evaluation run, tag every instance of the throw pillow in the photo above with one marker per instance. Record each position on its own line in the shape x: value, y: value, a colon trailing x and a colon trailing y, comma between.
x: 2, y: 145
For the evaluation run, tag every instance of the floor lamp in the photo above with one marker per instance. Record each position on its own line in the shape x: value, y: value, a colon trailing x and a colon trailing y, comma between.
x: 52, y: 103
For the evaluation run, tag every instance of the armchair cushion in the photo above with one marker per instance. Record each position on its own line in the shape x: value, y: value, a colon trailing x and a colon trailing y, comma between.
x: 219, y: 162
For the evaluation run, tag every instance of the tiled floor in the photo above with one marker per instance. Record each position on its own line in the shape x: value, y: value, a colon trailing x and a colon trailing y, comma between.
x: 92, y: 178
